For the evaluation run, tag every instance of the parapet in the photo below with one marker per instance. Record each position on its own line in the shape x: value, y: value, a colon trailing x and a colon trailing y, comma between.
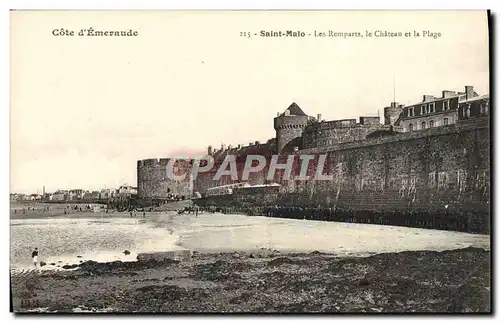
x: 149, y: 162
x: 291, y: 121
x: 163, y: 162
x: 337, y: 124
x: 369, y: 120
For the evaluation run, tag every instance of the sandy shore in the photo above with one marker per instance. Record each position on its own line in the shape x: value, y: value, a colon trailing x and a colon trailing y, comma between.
x: 267, y: 281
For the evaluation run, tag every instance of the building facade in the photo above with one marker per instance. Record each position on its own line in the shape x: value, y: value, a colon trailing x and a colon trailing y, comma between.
x: 435, y: 111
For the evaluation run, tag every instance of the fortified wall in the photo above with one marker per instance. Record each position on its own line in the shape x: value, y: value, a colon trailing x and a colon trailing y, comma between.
x: 374, y: 166
x: 443, y: 167
x: 153, y: 183
x: 326, y: 134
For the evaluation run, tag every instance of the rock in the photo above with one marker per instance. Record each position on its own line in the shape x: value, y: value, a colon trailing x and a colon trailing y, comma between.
x: 78, y: 256
x: 364, y: 282
x: 251, y: 256
x: 70, y: 266
x: 52, y: 264
x: 126, y: 252
x: 280, y: 261
x: 42, y: 264
x: 165, y: 257
x: 88, y: 264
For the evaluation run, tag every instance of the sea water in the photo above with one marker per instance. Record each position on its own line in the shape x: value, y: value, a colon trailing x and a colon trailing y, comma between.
x: 69, y: 240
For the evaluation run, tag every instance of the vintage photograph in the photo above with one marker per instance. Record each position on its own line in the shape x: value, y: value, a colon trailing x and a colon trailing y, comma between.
x: 250, y: 161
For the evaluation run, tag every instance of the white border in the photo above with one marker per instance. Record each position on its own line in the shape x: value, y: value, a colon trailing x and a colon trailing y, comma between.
x: 158, y: 4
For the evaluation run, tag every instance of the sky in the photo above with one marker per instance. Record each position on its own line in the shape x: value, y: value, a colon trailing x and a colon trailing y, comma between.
x: 85, y: 109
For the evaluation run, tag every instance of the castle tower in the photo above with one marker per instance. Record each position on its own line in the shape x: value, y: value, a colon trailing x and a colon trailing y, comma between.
x: 289, y: 125
x: 392, y: 113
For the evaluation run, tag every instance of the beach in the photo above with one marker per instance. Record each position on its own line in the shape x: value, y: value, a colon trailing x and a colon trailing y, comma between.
x: 267, y: 282
x: 239, y: 263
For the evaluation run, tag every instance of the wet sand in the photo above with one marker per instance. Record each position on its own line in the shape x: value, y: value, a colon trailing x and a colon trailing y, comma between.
x: 267, y: 281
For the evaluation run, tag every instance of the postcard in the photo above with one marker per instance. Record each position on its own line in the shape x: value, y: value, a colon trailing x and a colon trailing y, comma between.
x: 250, y: 161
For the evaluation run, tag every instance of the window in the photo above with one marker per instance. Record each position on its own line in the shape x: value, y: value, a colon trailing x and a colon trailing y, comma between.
x: 411, y: 111
x: 468, y: 110
x: 422, y: 125
x: 432, y: 107
x: 461, y: 98
x: 445, y: 121
x: 446, y: 105
x: 410, y: 127
x: 482, y: 109
x: 431, y: 124
x: 423, y: 109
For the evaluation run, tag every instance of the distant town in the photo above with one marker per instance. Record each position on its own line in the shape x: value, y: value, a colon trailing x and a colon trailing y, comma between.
x: 78, y: 195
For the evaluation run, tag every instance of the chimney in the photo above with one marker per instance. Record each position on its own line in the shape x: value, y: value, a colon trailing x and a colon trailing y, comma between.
x: 394, y: 104
x: 209, y: 150
x: 278, y: 114
x: 319, y: 117
x: 222, y: 147
x: 447, y: 94
x: 469, y: 92
x: 257, y: 142
x: 239, y: 146
x: 428, y: 98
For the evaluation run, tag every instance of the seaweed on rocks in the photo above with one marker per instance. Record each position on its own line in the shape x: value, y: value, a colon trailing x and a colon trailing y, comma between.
x: 218, y: 271
x: 119, y: 266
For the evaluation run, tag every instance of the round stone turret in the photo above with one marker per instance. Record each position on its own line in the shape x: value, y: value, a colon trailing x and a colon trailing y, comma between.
x: 392, y: 113
x: 289, y: 125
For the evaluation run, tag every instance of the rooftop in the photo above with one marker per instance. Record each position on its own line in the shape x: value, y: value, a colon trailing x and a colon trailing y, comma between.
x: 294, y: 109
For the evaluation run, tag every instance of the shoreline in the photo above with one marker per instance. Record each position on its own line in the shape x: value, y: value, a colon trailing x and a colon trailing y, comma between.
x: 181, y: 231
x: 267, y: 281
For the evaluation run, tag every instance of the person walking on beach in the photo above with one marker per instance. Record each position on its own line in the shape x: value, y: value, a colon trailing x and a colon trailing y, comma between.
x: 34, y: 255
x: 143, y: 213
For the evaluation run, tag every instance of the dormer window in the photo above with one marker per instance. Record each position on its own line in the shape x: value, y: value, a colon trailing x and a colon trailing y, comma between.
x: 446, y: 105
x: 461, y: 98
x: 411, y: 111
x: 423, y: 109
x: 432, y: 108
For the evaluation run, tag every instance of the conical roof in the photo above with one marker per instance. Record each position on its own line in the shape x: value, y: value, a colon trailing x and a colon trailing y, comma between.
x: 294, y: 109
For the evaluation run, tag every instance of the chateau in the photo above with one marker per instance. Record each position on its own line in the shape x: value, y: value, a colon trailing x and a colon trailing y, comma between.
x: 429, y: 154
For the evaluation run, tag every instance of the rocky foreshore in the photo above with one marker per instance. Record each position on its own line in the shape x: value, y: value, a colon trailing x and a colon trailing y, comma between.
x: 266, y: 281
